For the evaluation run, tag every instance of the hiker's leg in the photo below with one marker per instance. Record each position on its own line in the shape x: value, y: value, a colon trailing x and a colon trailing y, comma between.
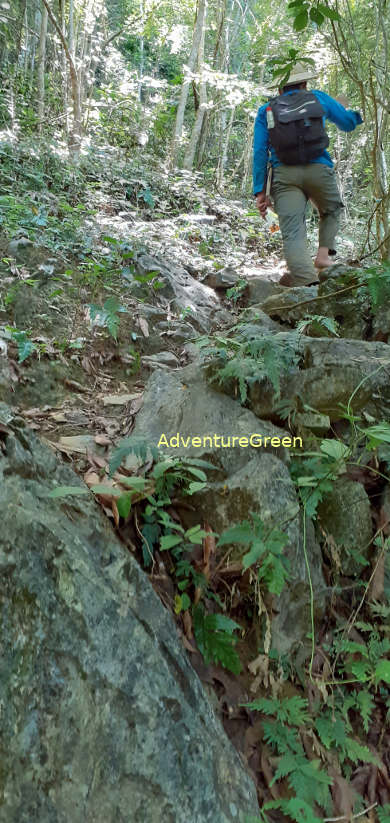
x: 321, y: 186
x: 290, y: 205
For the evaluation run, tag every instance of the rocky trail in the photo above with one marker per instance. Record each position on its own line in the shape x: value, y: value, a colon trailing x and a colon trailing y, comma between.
x: 157, y: 332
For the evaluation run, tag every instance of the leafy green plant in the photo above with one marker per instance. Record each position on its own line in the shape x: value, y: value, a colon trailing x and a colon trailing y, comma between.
x: 317, y: 325
x: 383, y: 813
x: 266, y: 357
x: 237, y: 290
x: 376, y: 280
x: 25, y: 346
x: 364, y: 661
x: 215, y: 638
x: 315, y: 472
x: 150, y: 279
x: 314, y: 12
x: 108, y: 315
x: 309, y: 783
x: 265, y: 551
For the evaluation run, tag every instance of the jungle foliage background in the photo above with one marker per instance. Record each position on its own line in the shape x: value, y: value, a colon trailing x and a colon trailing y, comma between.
x: 177, y: 85
x: 152, y: 103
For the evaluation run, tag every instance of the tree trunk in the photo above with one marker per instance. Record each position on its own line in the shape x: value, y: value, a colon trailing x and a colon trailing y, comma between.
x: 197, y: 36
x: 76, y: 130
x: 37, y: 26
x: 64, y: 70
x: 224, y: 157
x: 197, y: 127
x: 41, y: 68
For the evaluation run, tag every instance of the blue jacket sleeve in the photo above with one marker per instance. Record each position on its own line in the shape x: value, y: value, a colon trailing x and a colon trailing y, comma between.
x: 344, y: 119
x: 260, y: 151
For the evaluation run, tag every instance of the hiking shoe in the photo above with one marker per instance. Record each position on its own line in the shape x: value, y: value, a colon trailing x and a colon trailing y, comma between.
x: 288, y: 281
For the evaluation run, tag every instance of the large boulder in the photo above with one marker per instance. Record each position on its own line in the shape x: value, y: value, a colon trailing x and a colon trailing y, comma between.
x: 345, y: 517
x: 103, y: 719
x: 338, y: 298
x: 327, y: 374
x: 198, y: 303
x: 247, y: 479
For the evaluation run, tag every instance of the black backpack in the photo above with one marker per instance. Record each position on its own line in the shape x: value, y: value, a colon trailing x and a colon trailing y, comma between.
x: 296, y: 129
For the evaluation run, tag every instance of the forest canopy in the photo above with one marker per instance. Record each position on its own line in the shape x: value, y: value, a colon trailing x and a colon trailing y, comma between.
x: 180, y: 82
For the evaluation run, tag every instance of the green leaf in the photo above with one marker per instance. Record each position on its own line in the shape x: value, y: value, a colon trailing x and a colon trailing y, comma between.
x: 328, y: 12
x: 162, y: 467
x: 242, y: 533
x: 196, y: 535
x: 124, y: 505
x: 169, y: 541
x: 256, y: 551
x: 196, y: 486
x: 301, y: 21
x: 366, y: 704
x: 221, y: 622
x: 25, y: 346
x: 136, y: 483
x: 197, y: 473
x: 68, y: 491
x: 355, y: 752
x: 335, y: 449
x: 292, y: 710
x: 377, y: 434
x: 383, y: 813
x: 100, y: 488
x: 213, y: 634
x: 316, y: 16
x: 182, y: 603
x: 382, y: 671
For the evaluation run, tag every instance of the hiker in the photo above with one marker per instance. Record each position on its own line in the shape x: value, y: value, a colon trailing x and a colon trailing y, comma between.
x: 291, y: 128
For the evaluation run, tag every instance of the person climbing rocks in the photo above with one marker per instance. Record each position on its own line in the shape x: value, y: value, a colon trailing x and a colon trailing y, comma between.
x: 290, y: 143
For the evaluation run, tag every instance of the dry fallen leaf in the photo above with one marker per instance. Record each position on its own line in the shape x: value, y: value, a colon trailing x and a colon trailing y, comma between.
x: 74, y: 385
x: 79, y: 443
x: 119, y: 399
x: 91, y: 478
x: 102, y: 440
x: 143, y: 326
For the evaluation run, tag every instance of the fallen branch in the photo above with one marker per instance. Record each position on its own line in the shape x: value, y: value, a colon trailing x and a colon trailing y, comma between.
x: 314, y: 299
x: 346, y: 817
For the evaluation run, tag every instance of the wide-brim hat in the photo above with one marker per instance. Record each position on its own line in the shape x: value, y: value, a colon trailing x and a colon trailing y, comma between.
x: 299, y: 74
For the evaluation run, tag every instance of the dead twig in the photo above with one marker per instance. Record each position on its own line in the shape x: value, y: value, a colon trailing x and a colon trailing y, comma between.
x: 354, y: 817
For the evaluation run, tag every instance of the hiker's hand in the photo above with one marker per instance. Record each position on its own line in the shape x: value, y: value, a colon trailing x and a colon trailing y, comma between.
x: 343, y: 100
x: 262, y: 203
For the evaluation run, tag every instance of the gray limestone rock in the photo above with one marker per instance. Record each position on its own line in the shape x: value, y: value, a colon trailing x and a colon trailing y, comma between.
x: 350, y: 308
x: 183, y: 291
x: 102, y: 718
x: 345, y: 514
x: 329, y: 373
x: 247, y: 479
x: 259, y: 289
x: 162, y: 359
x: 222, y: 279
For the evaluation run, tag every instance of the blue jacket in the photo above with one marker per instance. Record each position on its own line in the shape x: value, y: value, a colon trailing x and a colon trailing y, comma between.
x: 344, y: 119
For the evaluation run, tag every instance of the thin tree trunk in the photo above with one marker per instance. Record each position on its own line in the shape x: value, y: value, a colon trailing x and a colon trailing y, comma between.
x: 41, y: 68
x: 64, y: 69
x: 37, y: 26
x: 27, y: 42
x: 224, y: 158
x: 76, y: 131
x: 178, y: 131
x: 197, y: 127
x: 71, y: 29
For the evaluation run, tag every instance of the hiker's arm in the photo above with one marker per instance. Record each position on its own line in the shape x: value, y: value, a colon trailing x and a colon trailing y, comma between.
x: 343, y: 118
x: 260, y: 152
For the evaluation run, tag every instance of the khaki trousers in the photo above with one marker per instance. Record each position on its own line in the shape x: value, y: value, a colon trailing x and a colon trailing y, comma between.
x: 292, y: 187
